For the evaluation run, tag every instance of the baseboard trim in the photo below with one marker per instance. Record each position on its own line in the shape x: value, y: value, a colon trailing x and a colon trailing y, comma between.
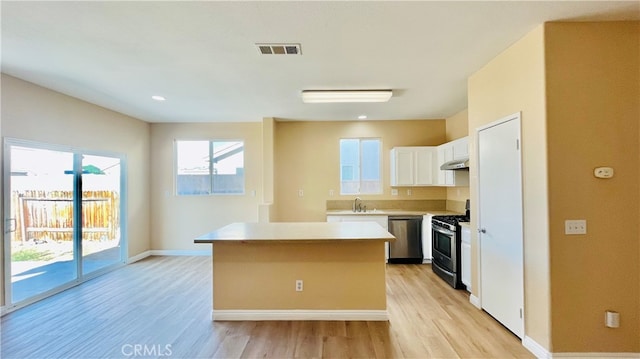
x: 171, y: 252
x: 138, y: 257
x: 596, y: 355
x: 294, y: 314
x: 536, y: 349
x: 475, y: 301
x: 540, y: 352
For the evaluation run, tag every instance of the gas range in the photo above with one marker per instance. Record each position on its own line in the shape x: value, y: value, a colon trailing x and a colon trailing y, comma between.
x: 446, y: 247
x: 450, y: 222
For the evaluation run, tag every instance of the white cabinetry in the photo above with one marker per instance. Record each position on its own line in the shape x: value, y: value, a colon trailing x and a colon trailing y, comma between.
x: 383, y: 221
x: 445, y: 154
x: 413, y: 166
x: 460, y: 148
x: 454, y: 150
x: 466, y: 257
x: 426, y: 238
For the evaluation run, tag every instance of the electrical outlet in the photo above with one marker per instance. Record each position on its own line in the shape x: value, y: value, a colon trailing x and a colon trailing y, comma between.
x: 409, y: 192
x: 299, y: 285
x: 394, y: 191
x: 575, y: 226
x: 331, y: 193
x: 300, y: 193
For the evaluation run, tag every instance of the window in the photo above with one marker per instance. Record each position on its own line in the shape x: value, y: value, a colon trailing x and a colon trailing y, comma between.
x: 209, y: 167
x: 360, y: 166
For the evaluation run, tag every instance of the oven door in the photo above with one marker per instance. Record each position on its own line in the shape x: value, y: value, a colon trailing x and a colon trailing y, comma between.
x: 443, y: 242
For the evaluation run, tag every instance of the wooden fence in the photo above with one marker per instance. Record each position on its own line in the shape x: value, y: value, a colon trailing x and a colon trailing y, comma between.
x: 48, y: 215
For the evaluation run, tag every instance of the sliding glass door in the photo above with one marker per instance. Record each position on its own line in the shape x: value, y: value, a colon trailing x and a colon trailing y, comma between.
x: 41, y: 221
x: 63, y: 210
x: 101, y: 242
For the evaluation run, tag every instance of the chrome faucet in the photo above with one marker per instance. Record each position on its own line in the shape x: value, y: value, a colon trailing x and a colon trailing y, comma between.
x: 357, y: 207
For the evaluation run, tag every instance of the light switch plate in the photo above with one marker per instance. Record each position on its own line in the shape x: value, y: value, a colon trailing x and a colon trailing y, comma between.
x: 575, y: 226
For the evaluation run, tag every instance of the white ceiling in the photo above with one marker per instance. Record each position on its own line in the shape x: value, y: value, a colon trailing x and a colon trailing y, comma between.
x: 201, y: 55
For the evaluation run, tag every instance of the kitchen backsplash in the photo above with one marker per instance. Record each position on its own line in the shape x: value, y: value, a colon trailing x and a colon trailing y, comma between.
x: 456, y: 206
x: 409, y: 205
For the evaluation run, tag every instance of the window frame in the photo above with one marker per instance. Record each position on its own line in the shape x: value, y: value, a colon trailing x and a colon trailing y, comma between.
x: 359, y: 166
x: 211, y: 174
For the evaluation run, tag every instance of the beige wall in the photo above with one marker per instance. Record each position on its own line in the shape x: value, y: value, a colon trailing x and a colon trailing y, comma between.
x: 512, y: 82
x: 457, y: 126
x: 593, y: 110
x: 31, y: 112
x: 265, y: 212
x: 307, y: 157
x: 338, y: 276
x: 268, y: 128
x: 177, y: 220
x: 577, y: 87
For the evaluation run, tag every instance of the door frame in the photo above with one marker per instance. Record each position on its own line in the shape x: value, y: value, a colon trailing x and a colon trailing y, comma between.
x: 512, y: 117
x: 9, y: 306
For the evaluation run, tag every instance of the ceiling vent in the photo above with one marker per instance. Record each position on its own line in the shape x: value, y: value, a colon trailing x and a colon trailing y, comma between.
x: 279, y: 49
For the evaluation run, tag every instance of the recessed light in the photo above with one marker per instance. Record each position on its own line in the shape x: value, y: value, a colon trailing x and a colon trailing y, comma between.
x: 158, y: 98
x: 362, y: 117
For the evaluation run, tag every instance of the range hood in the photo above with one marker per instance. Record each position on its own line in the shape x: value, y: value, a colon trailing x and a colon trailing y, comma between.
x: 460, y: 164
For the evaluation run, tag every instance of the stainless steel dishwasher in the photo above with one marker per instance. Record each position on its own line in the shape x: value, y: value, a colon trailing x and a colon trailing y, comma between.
x: 408, y: 245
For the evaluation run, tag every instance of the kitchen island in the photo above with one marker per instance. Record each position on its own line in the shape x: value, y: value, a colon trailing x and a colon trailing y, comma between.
x: 257, y: 268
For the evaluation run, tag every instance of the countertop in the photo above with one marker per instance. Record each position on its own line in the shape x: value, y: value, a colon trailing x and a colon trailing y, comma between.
x: 391, y: 212
x: 297, y: 232
x: 465, y: 224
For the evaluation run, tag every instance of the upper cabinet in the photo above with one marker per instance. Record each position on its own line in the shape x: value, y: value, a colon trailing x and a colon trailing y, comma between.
x: 460, y: 148
x: 413, y: 166
x: 454, y: 150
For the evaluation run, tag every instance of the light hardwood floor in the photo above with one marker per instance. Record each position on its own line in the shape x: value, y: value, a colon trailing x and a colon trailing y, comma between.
x: 161, y: 307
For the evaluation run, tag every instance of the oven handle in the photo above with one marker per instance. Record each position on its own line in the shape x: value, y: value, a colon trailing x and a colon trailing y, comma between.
x: 443, y: 231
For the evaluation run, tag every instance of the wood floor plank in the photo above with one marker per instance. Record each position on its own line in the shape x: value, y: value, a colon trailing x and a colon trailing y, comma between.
x: 165, y: 302
x: 385, y: 345
x: 232, y: 346
x: 335, y: 347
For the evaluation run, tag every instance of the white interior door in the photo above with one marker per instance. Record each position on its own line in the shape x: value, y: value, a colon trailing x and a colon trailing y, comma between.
x: 500, y: 222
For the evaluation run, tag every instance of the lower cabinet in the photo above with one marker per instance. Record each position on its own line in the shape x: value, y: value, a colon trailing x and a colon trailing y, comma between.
x: 466, y: 257
x: 383, y: 221
x: 426, y: 238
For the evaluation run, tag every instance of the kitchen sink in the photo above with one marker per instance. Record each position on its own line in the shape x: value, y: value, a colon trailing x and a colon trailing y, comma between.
x: 348, y: 212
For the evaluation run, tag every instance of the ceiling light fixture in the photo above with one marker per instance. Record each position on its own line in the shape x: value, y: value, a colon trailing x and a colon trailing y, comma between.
x: 362, y: 117
x: 331, y: 96
x: 158, y: 98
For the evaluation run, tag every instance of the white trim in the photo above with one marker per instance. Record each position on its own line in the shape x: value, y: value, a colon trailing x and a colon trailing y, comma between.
x: 138, y: 257
x: 540, y: 352
x: 299, y: 314
x: 172, y: 252
x: 596, y: 355
x: 536, y: 349
x: 475, y: 301
x: 167, y: 252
